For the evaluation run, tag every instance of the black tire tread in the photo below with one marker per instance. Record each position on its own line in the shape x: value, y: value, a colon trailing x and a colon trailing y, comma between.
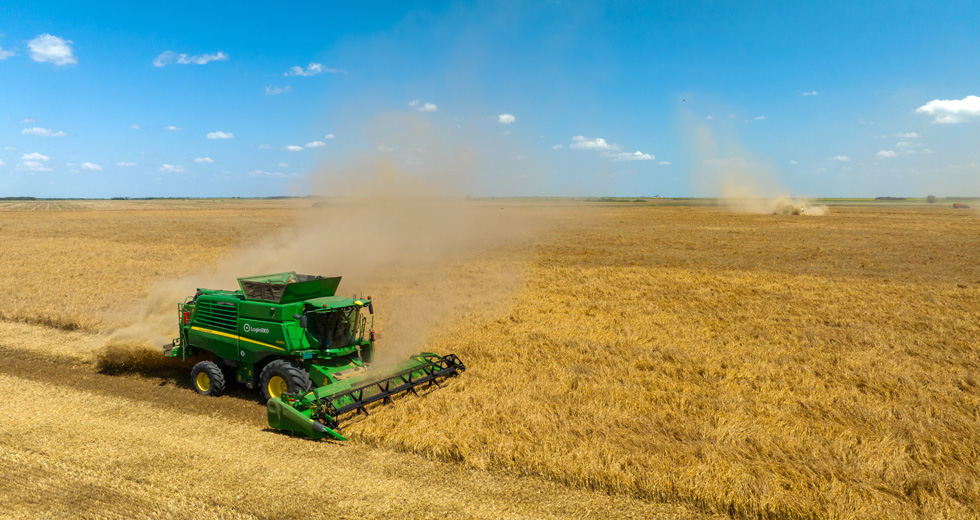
x: 295, y: 376
x: 214, y: 372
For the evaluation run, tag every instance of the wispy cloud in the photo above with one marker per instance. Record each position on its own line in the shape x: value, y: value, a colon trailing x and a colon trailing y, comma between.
x: 312, y: 69
x: 171, y: 168
x: 583, y: 143
x: 172, y: 128
x: 810, y: 93
x: 841, y: 158
x: 34, y: 156
x: 220, y: 135
x: 329, y: 136
x: 136, y: 127
x: 263, y: 173
x: 557, y: 146
x: 33, y: 162
x: 204, y: 160
x: 948, y: 111
x: 2, y: 163
x: 886, y: 154
x: 42, y: 132
x: 626, y: 156
x: 264, y: 147
x: 125, y: 164
x: 168, y: 57
x: 293, y: 148
x: 6, y: 54
x: 759, y: 118
x: 91, y: 166
x: 46, y: 48
x: 275, y: 91
x: 907, y: 135
x: 664, y: 163
x: 32, y: 166
x: 506, y: 119
x: 316, y: 144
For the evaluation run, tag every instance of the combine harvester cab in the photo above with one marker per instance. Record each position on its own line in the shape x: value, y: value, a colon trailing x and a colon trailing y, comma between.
x: 309, y: 351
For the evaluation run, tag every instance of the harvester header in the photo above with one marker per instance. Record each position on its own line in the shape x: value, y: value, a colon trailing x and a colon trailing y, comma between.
x: 308, y: 351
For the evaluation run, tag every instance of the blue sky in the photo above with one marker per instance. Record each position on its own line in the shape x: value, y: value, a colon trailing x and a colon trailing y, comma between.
x: 552, y: 98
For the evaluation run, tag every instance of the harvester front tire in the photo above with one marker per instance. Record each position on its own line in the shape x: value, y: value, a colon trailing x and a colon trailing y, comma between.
x: 283, y: 376
x: 207, y: 378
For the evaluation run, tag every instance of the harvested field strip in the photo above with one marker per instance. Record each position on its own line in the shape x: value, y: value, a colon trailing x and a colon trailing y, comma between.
x: 53, y: 205
x: 152, y: 450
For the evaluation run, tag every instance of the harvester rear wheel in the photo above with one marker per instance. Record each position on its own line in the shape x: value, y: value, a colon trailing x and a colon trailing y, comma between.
x: 207, y: 378
x: 282, y: 376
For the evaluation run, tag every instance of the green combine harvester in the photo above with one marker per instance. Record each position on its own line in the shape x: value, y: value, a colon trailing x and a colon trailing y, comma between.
x: 308, y: 351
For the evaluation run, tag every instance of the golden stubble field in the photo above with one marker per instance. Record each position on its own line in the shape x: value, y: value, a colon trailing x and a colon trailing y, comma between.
x: 688, y: 360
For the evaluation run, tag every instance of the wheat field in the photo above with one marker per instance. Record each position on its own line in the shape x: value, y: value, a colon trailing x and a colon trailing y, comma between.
x: 645, y: 359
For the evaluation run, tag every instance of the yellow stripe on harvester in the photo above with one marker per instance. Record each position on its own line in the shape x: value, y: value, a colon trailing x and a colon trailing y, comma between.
x: 232, y: 336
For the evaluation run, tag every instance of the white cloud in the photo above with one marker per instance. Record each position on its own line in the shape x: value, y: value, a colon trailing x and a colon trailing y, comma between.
x: 275, y: 91
x: 170, y: 168
x: 204, y: 160
x: 626, y: 156
x: 42, y: 132
x: 709, y: 118
x: 329, y: 136
x: 557, y: 147
x: 582, y: 143
x: 506, y: 119
x: 10, y: 148
x: 311, y: 70
x: 414, y: 103
x: 91, y: 166
x: 283, y: 165
x: 886, y: 153
x: 811, y: 93
x: 33, y: 166
x: 46, y: 48
x: 665, y: 163
x: 428, y: 107
x: 907, y: 135
x: 841, y: 158
x: 293, y: 148
x: 34, y: 156
x: 5, y: 54
x: 2, y: 163
x: 904, y: 144
x: 172, y: 128
x: 220, y: 135
x: 760, y: 118
x: 168, y: 57
x: 316, y: 144
x: 136, y: 127
x: 950, y: 111
x: 125, y: 164
x: 258, y: 173
x: 793, y: 161
x: 264, y: 147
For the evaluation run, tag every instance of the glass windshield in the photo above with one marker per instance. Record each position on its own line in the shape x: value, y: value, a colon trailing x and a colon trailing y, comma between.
x: 335, y: 329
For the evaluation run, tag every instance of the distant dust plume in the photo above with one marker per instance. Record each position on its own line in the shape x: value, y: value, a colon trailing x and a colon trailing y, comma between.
x: 729, y: 172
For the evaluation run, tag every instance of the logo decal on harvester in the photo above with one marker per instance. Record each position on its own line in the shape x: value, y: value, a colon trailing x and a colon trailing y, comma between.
x: 251, y: 328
